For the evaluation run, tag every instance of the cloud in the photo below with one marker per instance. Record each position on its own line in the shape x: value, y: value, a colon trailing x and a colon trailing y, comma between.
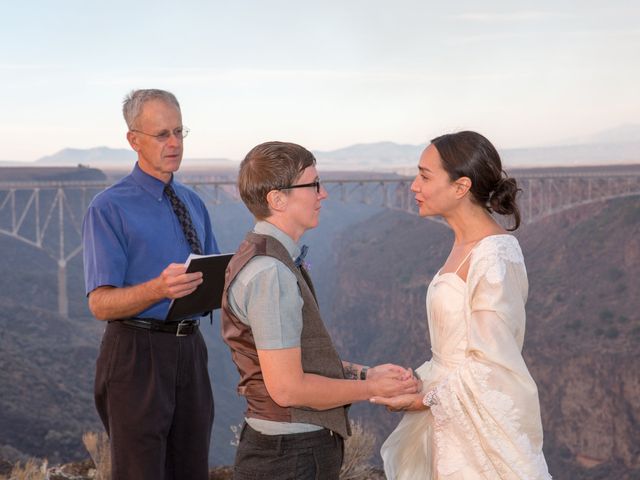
x: 504, y: 37
x: 507, y: 16
x: 26, y: 66
x: 611, y: 33
x: 233, y: 77
x: 190, y: 75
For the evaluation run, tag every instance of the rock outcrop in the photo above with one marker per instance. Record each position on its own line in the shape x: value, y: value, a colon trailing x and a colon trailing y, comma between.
x: 583, y: 323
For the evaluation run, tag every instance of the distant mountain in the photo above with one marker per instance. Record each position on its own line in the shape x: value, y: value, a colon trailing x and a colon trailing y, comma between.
x: 629, y: 133
x: 204, y: 162
x: 611, y: 146
x: 617, y: 145
x: 573, y: 155
x: 375, y: 155
x: 105, y: 157
x: 11, y: 163
x: 621, y: 145
x: 51, y: 174
x: 91, y: 156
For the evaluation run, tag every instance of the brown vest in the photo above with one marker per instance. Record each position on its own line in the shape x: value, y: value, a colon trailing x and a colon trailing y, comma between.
x: 318, y: 353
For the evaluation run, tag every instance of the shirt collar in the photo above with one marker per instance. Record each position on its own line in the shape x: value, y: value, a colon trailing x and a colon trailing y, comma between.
x: 266, y: 228
x: 151, y: 184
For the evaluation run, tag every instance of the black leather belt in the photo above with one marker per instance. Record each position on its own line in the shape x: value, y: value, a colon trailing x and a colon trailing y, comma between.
x: 179, y: 329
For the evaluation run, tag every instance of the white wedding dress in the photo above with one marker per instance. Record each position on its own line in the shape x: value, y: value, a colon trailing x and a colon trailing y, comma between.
x: 486, y: 424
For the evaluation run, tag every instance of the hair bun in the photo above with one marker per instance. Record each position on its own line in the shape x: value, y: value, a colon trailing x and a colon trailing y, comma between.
x: 502, y: 199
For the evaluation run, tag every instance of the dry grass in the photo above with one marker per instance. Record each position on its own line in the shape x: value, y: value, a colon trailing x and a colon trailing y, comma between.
x: 221, y: 473
x: 31, y: 470
x: 357, y: 453
x: 97, y: 444
x: 236, y: 430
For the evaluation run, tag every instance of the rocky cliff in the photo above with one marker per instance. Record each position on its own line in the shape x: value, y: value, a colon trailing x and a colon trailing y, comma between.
x: 581, y: 345
x: 583, y: 325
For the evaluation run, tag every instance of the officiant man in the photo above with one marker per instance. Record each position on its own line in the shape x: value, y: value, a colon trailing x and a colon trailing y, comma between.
x: 297, y: 388
x: 152, y: 388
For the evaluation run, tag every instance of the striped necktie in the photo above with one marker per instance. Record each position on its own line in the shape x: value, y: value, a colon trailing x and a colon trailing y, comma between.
x: 185, y: 220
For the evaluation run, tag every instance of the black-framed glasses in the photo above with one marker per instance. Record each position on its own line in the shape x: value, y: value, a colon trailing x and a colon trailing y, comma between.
x: 164, y: 135
x: 315, y: 184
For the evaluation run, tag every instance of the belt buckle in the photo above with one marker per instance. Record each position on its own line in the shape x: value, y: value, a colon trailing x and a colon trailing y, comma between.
x: 183, y: 323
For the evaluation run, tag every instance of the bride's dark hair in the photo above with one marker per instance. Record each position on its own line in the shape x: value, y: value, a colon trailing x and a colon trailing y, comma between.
x: 469, y: 154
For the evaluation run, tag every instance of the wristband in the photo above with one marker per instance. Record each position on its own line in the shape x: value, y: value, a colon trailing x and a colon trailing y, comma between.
x: 363, y: 373
x: 431, y: 398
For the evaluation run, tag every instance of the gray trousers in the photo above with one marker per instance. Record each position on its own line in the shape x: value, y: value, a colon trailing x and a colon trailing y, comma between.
x: 153, y: 394
x: 299, y: 456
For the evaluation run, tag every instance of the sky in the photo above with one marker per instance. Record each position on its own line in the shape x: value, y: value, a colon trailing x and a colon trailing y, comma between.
x: 323, y: 74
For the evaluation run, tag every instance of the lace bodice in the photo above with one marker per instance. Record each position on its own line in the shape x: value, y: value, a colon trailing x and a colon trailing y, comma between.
x: 445, y: 306
x: 447, y: 294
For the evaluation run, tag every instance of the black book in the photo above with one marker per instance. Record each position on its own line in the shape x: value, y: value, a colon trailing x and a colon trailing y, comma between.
x: 208, y: 295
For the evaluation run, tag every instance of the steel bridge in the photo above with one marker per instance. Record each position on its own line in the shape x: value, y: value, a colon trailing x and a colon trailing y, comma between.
x: 48, y: 215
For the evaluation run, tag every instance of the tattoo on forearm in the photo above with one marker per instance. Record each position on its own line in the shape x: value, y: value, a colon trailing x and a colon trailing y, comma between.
x: 350, y: 371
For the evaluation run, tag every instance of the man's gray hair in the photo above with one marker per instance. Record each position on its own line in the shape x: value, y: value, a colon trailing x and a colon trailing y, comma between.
x: 135, y: 100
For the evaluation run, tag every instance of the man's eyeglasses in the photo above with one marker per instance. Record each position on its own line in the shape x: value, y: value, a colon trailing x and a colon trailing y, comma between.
x: 315, y: 184
x: 164, y: 135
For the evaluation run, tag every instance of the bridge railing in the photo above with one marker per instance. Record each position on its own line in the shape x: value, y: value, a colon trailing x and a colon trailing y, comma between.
x: 545, y: 196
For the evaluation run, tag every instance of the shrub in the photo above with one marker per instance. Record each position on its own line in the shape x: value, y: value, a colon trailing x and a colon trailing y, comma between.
x: 236, y: 430
x: 574, y: 325
x: 606, y: 315
x: 32, y: 470
x: 97, y: 444
x: 612, y: 332
x: 615, y: 273
x: 358, y: 449
x: 621, y: 288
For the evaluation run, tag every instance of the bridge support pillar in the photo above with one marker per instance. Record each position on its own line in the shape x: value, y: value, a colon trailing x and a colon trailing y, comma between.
x: 63, y: 301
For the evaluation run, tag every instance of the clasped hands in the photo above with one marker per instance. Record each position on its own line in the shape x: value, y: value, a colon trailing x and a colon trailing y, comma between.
x: 400, y: 389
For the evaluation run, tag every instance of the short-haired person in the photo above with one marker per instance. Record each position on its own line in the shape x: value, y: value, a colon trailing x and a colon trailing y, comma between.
x: 296, y: 386
x: 152, y: 388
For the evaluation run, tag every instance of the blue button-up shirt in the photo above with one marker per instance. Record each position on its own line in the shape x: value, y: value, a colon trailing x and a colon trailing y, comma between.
x: 130, y: 234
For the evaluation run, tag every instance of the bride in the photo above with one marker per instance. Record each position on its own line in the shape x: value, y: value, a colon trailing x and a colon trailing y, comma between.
x: 478, y: 415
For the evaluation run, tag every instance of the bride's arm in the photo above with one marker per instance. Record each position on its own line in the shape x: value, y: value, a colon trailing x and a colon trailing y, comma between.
x: 408, y: 402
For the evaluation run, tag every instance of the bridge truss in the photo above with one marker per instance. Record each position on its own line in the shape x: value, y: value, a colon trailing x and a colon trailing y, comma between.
x: 48, y: 215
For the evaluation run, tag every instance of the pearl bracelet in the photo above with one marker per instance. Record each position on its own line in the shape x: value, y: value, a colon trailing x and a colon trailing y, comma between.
x: 430, y: 399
